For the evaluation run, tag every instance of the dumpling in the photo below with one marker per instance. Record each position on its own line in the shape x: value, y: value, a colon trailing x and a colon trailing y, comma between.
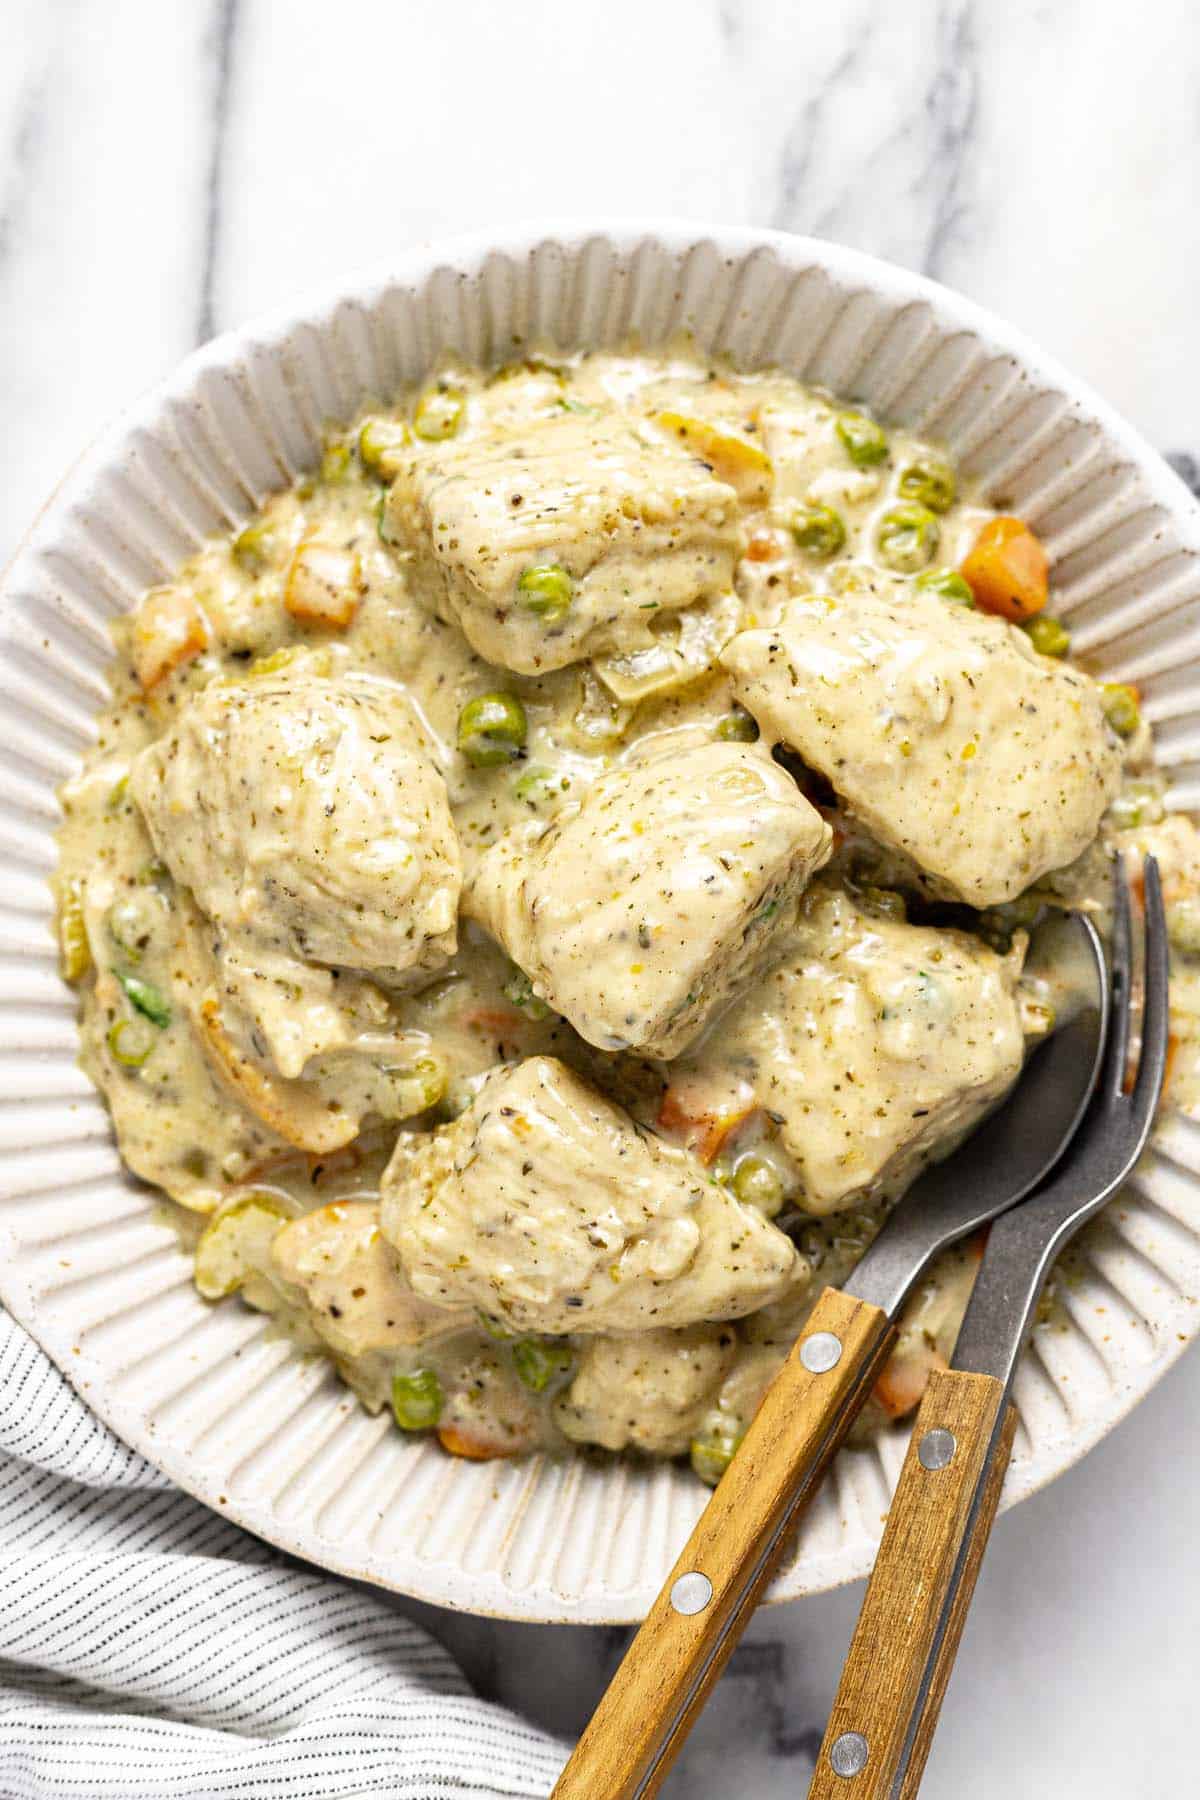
x: 942, y: 728
x: 650, y: 1390
x: 545, y: 1206
x: 351, y: 1282
x: 642, y: 907
x: 311, y: 827
x: 872, y: 1044
x: 558, y: 538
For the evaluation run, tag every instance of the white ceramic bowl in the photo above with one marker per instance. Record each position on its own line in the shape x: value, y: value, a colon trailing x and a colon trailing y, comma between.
x: 88, y: 1262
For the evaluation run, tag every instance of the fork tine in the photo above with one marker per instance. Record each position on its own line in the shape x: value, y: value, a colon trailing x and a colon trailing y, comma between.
x: 1155, y: 1015
x: 1121, y: 964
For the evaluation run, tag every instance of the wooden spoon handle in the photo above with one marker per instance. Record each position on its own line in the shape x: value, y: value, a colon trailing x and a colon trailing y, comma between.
x: 692, y: 1628
x: 908, y: 1632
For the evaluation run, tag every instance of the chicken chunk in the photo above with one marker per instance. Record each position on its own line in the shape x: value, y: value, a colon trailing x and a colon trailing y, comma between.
x: 942, y: 728
x: 352, y: 1284
x: 650, y: 1390
x: 175, y: 1126
x: 643, y: 906
x: 544, y: 1205
x: 626, y: 525
x: 309, y: 1053
x: 873, y: 1043
x: 311, y: 827
x: 1174, y: 842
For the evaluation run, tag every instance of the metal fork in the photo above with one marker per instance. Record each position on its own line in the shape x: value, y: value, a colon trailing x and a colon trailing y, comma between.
x: 908, y: 1632
x: 726, y: 1564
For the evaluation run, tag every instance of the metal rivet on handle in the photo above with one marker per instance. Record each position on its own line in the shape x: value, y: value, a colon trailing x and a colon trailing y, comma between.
x: 691, y: 1593
x: 848, y: 1754
x: 936, y: 1449
x: 821, y: 1352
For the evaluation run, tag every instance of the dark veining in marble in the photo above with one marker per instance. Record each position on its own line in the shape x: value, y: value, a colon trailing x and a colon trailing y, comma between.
x: 926, y: 149
x: 27, y: 139
x: 222, y: 37
x: 800, y: 146
x: 730, y: 22
x: 1187, y: 468
x: 764, y: 1666
x: 951, y: 105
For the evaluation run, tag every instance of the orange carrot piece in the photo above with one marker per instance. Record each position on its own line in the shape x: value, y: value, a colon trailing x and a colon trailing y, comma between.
x: 704, y: 1132
x: 168, y: 631
x: 494, y: 1018
x: 905, y: 1376
x: 460, y: 1443
x: 1007, y: 570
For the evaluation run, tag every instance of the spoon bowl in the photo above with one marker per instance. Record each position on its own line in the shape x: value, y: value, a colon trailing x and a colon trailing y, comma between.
x: 1015, y: 1149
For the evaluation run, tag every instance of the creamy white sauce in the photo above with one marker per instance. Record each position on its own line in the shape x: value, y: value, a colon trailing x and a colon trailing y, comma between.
x: 555, y: 1088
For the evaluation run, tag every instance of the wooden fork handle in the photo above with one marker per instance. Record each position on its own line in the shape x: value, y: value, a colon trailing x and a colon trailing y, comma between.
x: 692, y: 1628
x: 908, y: 1632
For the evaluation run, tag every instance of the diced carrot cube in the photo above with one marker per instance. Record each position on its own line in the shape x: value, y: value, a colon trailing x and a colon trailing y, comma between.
x: 168, y: 630
x: 324, y: 584
x: 703, y: 1132
x: 1007, y: 570
x: 905, y: 1376
x: 460, y: 1442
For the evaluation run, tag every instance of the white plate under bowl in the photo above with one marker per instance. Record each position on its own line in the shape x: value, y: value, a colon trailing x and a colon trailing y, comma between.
x: 89, y: 1263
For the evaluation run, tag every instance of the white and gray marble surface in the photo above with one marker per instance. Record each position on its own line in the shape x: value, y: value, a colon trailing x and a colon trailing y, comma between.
x: 170, y: 167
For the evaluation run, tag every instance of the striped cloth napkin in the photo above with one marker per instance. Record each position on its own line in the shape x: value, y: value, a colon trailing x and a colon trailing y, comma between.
x: 150, y: 1649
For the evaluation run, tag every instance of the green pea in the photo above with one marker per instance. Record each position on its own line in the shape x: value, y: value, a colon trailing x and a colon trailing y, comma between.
x: 538, y: 1364
x: 1183, y: 926
x: 147, y: 999
x: 272, y: 663
x: 712, y: 1453
x: 907, y: 537
x: 131, y: 1041
x: 126, y: 923
x: 819, y: 530
x: 883, y: 903
x: 864, y: 442
x: 253, y: 547
x: 948, y: 585
x: 1138, y: 804
x: 538, y: 785
x: 491, y: 730
x: 1126, y: 813
x: 546, y: 589
x: 737, y: 727
x: 757, y: 1182
x: 1049, y: 637
x: 422, y: 1083
x: 381, y: 443
x: 336, y: 459
x: 518, y: 990
x: 996, y: 924
x: 931, y: 481
x: 382, y: 524
x: 1121, y: 708
x: 439, y: 413
x: 416, y: 1400
x: 74, y: 951
x: 1024, y: 911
